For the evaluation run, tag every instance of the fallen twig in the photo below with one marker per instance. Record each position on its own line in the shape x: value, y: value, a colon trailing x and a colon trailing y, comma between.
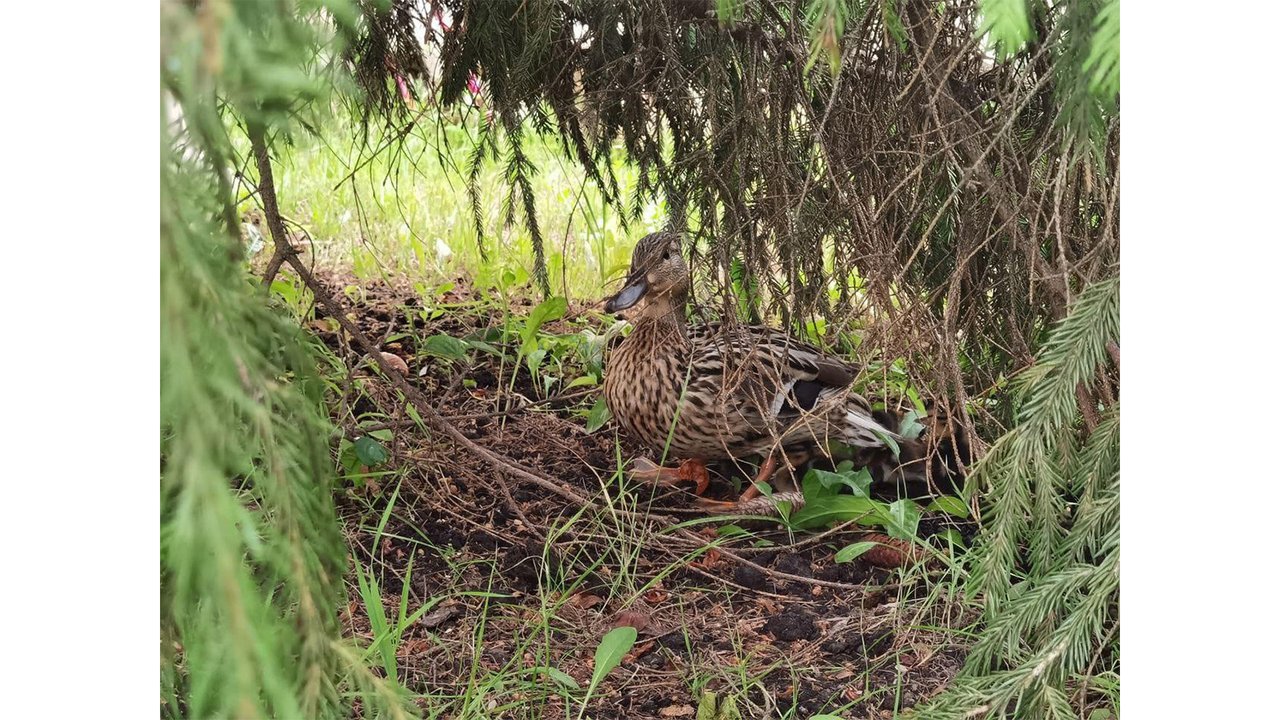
x: 266, y: 187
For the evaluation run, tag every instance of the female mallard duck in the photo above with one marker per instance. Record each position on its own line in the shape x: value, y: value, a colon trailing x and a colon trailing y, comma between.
x: 709, y: 392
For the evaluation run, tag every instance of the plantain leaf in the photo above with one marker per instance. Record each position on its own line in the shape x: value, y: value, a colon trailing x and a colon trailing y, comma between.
x: 904, y: 518
x: 849, y: 553
x: 950, y: 505
x: 613, y: 647
x: 445, y: 346
x: 370, y: 452
x: 598, y: 416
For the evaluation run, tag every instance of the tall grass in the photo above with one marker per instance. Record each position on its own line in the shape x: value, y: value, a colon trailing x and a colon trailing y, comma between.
x: 402, y: 211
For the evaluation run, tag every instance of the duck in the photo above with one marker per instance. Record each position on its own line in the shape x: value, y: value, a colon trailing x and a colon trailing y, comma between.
x: 714, y: 392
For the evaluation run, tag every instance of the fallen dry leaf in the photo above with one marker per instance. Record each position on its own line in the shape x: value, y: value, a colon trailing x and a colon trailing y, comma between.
x: 632, y: 618
x: 413, y: 646
x: 396, y: 362
x: 656, y: 595
x: 675, y: 711
x: 441, y: 615
x: 709, y: 560
x: 640, y: 651
x: 586, y: 601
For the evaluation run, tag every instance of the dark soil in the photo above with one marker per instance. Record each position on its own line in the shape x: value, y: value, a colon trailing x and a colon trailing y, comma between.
x: 532, y: 580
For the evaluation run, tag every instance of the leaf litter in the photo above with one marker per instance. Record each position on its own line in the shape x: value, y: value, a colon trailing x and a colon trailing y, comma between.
x: 532, y: 583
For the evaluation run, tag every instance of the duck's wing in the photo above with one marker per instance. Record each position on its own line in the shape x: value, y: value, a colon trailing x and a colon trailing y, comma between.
x: 770, y: 381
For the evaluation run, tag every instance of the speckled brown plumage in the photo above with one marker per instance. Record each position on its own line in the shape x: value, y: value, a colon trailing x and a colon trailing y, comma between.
x: 711, y: 392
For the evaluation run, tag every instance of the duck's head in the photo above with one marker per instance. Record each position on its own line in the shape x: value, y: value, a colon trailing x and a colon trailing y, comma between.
x: 658, y: 274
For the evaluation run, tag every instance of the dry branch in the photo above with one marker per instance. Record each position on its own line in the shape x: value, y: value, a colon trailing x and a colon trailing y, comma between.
x: 501, y: 463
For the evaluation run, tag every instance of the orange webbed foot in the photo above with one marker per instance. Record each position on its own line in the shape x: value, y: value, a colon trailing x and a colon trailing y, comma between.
x: 694, y: 471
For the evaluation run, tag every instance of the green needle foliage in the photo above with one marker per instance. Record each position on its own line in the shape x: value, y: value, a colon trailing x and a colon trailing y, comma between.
x: 952, y: 163
x: 1048, y: 566
x: 252, y: 556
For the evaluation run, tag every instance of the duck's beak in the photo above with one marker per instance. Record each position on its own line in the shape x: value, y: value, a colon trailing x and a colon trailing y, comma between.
x: 630, y: 294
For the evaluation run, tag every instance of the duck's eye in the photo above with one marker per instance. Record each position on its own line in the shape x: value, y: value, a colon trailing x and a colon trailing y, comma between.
x: 666, y: 254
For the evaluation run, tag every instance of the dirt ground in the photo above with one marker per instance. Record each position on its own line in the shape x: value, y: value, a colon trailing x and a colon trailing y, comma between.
x: 761, y: 620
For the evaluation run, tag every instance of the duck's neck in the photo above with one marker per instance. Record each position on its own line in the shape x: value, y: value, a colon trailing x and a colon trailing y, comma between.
x: 663, y: 319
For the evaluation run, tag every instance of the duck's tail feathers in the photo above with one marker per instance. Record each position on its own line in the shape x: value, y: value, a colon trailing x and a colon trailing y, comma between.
x: 863, y: 430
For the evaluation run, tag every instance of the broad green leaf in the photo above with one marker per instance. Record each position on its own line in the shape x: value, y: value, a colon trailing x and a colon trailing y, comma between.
x: 347, y: 456
x: 598, y: 416
x: 910, y: 426
x: 821, y: 483
x: 286, y: 290
x: 904, y: 518
x: 445, y: 346
x: 849, y: 553
x: 370, y: 452
x: 950, y: 505
x: 533, y: 360
x: 581, y: 381
x: 826, y: 717
x: 916, y: 401
x: 953, y: 536
x: 731, y: 530
x: 485, y: 347
x: 838, y: 508
x: 548, y: 310
x: 818, y: 484
x: 858, y: 481
x: 613, y: 647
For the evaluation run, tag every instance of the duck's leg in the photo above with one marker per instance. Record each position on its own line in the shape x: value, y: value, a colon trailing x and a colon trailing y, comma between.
x: 692, y: 470
x: 765, y: 474
x: 769, y: 473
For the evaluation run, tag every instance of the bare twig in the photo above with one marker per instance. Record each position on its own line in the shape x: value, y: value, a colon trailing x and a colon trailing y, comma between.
x: 420, y: 402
